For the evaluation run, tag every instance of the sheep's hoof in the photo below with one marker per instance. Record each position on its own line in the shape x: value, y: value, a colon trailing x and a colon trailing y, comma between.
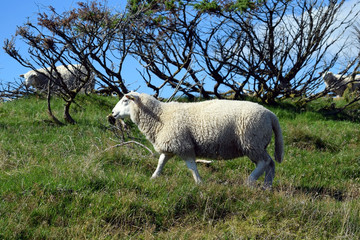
x: 199, y: 182
x: 266, y: 187
x: 154, y: 177
x: 250, y: 182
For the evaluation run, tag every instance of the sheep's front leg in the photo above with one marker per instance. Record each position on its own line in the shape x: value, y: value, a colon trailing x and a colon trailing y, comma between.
x: 191, y: 164
x: 161, y: 163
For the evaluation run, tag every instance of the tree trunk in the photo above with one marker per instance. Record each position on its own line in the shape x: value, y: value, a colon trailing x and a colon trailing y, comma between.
x: 51, y: 115
x: 67, y: 115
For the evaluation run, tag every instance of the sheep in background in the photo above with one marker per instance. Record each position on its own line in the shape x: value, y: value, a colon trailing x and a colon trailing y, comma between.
x: 354, y: 81
x: 70, y: 74
x: 216, y: 129
x: 338, y: 83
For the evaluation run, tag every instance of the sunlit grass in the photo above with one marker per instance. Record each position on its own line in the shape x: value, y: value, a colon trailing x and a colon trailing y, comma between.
x: 59, y: 182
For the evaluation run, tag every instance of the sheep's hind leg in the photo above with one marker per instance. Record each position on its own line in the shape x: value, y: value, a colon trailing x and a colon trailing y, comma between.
x: 264, y: 164
x: 269, y: 174
x: 258, y: 171
x: 191, y: 164
x: 161, y: 163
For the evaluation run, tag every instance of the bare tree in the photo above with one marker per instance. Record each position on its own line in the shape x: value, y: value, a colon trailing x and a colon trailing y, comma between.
x: 44, y: 53
x: 164, y: 45
x: 279, y: 47
x: 173, y: 44
x: 274, y: 48
x: 91, y: 35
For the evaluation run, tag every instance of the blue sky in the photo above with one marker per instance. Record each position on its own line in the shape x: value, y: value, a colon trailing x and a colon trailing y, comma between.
x: 15, y: 13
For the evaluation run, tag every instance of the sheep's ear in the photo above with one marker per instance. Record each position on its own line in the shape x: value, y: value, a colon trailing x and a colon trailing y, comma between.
x: 132, y: 97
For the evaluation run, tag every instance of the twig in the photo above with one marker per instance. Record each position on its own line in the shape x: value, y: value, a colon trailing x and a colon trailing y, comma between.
x: 129, y: 142
x: 177, y: 87
x: 142, y: 145
x: 203, y: 161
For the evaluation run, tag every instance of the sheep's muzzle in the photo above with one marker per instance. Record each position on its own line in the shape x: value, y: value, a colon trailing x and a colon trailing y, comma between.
x: 111, y: 119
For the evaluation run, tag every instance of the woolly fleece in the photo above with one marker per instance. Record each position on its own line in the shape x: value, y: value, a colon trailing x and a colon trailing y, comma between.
x: 216, y: 129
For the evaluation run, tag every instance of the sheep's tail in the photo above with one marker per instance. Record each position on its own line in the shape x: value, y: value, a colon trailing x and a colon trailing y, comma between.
x: 279, y: 144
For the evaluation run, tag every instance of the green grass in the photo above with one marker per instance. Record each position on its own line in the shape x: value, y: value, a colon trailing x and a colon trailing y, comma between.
x: 58, y: 182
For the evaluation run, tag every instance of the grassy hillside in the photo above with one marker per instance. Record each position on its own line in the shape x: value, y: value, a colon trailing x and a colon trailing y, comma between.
x: 59, y: 183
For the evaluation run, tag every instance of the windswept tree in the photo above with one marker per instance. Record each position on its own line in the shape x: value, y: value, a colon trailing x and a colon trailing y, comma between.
x: 278, y: 48
x: 91, y: 35
x: 272, y: 48
x: 167, y: 46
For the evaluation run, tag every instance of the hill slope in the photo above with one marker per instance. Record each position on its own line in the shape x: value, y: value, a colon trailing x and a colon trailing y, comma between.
x: 59, y: 182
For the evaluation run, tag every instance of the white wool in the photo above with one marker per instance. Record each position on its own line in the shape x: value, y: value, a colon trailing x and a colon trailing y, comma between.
x: 216, y: 129
x: 338, y: 83
x: 70, y: 74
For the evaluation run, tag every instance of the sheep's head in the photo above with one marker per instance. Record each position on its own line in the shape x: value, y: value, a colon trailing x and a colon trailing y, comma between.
x: 123, y: 107
x: 29, y: 79
x: 328, y: 77
x: 326, y: 74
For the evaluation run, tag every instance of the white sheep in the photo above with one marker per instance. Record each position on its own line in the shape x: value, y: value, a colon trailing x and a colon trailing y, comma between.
x: 216, y: 129
x: 338, y: 83
x: 354, y: 81
x: 71, y: 76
